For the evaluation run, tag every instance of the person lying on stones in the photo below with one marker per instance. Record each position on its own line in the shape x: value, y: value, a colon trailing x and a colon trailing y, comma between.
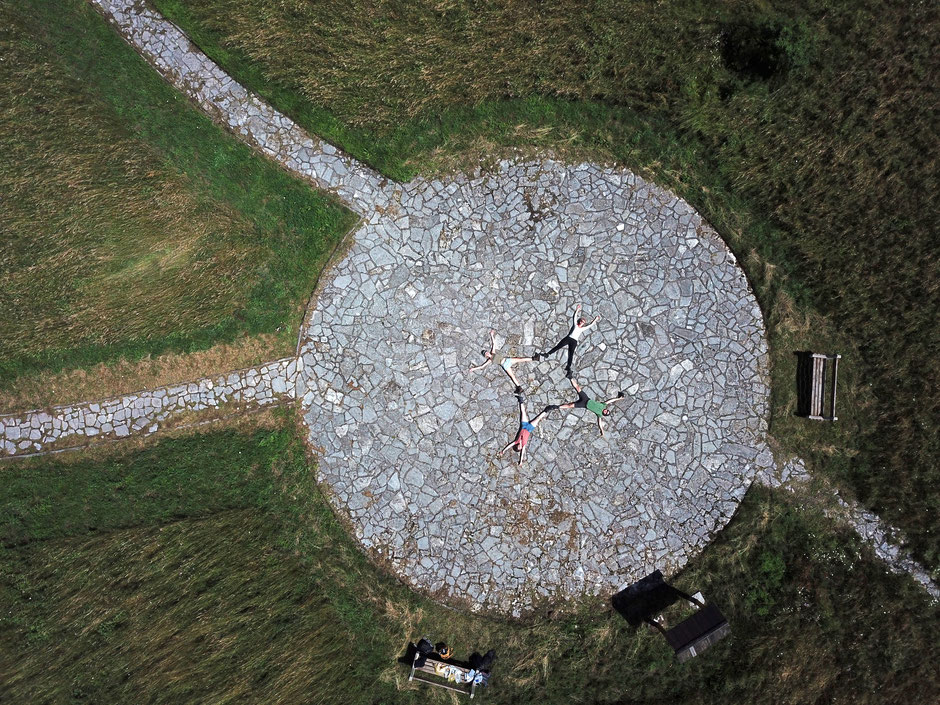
x: 578, y: 326
x: 505, y: 362
x: 526, y: 428
x: 583, y: 401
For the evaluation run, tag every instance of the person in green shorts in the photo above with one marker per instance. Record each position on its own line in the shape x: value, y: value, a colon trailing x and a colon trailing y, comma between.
x: 583, y: 401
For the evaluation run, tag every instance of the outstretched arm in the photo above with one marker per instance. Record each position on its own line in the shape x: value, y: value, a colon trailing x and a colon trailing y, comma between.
x: 600, y: 425
x: 508, y: 446
x: 480, y: 367
x: 492, y: 353
x: 591, y: 324
x: 613, y: 400
x: 575, y: 315
x: 521, y: 455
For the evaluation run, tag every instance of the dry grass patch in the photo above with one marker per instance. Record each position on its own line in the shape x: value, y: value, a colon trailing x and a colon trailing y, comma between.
x: 106, y: 380
x: 100, y: 238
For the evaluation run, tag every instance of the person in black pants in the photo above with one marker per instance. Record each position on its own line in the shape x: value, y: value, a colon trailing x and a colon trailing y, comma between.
x: 578, y: 326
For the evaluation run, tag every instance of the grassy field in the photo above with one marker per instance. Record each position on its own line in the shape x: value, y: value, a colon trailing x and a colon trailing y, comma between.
x: 208, y: 567
x: 804, y: 133
x: 131, y: 225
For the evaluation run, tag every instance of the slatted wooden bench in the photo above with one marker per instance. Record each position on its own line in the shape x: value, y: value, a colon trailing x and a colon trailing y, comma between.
x: 696, y: 633
x: 814, y: 370
x: 428, y: 674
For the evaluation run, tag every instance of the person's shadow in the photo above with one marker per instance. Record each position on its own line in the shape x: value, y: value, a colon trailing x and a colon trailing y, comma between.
x: 804, y: 381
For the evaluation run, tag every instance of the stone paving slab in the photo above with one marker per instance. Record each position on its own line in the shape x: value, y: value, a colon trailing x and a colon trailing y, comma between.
x: 409, y: 439
x: 145, y: 412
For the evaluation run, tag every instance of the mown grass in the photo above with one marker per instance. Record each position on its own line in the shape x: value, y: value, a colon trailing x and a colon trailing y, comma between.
x: 131, y: 224
x: 804, y: 133
x: 208, y: 567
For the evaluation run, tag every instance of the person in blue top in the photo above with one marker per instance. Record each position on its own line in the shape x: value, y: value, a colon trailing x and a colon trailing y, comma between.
x: 526, y: 428
x: 598, y: 408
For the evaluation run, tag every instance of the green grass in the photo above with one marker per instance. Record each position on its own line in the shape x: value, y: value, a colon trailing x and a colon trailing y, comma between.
x: 803, y: 133
x: 245, y: 587
x: 132, y: 225
x: 196, y: 611
x: 189, y: 477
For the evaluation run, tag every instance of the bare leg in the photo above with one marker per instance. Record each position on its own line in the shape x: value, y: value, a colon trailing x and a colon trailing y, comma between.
x: 577, y: 388
x: 507, y: 366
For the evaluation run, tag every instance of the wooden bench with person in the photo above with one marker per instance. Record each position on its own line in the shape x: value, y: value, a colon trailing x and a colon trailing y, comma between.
x: 437, y: 672
x: 813, y: 370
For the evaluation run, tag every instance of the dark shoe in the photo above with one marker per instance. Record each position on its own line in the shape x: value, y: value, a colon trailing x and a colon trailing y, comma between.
x: 536, y: 357
x: 621, y: 395
x: 552, y: 407
x: 569, y: 374
x: 518, y: 390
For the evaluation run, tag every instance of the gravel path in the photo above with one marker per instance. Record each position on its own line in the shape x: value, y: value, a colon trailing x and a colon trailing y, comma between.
x: 186, y: 67
x: 886, y: 541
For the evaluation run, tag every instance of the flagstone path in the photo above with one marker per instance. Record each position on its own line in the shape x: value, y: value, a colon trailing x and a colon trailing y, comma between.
x: 407, y: 438
x: 144, y: 412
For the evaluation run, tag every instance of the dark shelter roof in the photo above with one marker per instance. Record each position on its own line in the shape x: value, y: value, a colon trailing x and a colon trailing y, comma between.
x: 646, y: 598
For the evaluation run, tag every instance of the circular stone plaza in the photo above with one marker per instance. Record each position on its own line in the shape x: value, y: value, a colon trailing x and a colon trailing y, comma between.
x: 407, y: 439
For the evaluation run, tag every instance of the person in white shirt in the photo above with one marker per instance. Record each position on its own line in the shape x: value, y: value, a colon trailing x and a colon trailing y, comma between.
x: 578, y: 326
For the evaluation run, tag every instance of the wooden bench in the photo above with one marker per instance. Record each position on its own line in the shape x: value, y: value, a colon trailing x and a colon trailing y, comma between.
x: 812, y: 373
x: 696, y: 633
x: 428, y: 674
